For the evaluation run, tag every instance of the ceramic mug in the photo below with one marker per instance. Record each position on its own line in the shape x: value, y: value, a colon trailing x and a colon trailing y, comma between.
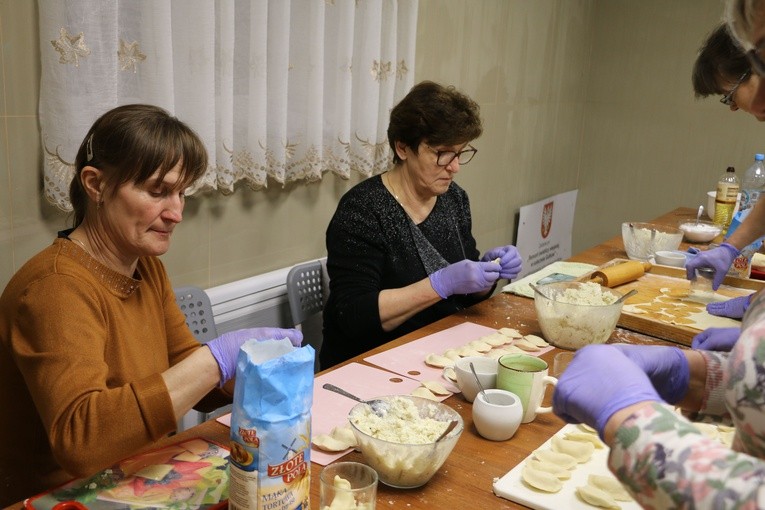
x: 497, y: 414
x: 485, y: 368
x: 526, y: 376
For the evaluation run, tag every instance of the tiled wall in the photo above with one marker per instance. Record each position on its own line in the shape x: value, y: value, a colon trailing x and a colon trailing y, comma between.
x: 593, y: 94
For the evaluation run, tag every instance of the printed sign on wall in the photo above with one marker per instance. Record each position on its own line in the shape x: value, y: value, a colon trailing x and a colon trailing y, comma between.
x: 544, y: 231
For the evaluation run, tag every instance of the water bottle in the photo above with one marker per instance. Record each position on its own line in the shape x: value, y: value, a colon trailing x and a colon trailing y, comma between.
x: 753, y: 183
x: 726, y: 197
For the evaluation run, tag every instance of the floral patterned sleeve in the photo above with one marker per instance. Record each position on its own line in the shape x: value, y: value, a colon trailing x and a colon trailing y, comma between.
x: 666, y: 462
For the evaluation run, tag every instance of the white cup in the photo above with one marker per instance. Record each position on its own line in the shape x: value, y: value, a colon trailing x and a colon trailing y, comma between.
x: 485, y: 368
x: 497, y: 418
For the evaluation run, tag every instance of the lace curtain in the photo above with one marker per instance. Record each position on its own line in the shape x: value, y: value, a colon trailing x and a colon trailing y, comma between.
x: 279, y: 89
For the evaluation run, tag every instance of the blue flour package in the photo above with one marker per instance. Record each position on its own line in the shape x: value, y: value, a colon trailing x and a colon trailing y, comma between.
x: 271, y: 427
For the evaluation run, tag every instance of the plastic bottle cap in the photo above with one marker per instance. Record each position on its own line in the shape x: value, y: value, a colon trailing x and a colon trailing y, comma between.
x: 759, y: 157
x: 730, y: 169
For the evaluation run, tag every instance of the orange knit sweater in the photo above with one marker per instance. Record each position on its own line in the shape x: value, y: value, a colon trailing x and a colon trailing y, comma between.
x: 81, y: 352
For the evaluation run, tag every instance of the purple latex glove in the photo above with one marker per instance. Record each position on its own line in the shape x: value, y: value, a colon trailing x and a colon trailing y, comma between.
x: 464, y: 277
x: 719, y: 259
x: 716, y: 339
x: 509, y: 260
x: 598, y: 382
x: 666, y: 367
x: 733, y: 308
x: 225, y: 348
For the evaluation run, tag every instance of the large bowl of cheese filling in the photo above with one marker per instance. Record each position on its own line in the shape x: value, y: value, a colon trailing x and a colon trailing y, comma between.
x: 397, y: 437
x: 574, y: 314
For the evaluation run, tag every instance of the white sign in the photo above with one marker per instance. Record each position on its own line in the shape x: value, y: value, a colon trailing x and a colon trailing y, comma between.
x: 544, y: 231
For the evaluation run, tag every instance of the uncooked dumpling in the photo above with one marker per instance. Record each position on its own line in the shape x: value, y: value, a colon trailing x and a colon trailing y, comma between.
x: 610, y: 485
x: 422, y: 391
x: 586, y: 437
x: 541, y: 480
x: 450, y: 374
x: 597, y: 497
x: 452, y: 354
x: 495, y: 339
x: 328, y: 443
x: 480, y: 346
x: 436, y: 387
x: 524, y: 344
x: 580, y: 450
x: 510, y: 332
x: 559, y: 472
x: 537, y: 340
x: 438, y: 361
x: 559, y: 459
x: 344, y: 434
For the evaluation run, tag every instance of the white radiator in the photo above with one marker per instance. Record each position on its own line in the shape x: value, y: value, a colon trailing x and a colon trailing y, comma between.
x: 252, y: 302
x: 249, y: 303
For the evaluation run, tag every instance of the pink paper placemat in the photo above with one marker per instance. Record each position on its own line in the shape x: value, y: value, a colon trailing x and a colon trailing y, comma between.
x: 331, y: 410
x: 409, y: 359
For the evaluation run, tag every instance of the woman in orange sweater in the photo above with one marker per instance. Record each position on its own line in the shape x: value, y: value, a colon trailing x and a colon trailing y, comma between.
x: 96, y: 360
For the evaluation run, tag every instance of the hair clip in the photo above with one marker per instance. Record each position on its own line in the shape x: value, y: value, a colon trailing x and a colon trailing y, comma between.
x: 89, y: 148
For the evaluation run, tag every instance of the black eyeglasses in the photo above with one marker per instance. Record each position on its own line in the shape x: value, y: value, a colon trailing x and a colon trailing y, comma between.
x: 728, y: 99
x: 444, y: 158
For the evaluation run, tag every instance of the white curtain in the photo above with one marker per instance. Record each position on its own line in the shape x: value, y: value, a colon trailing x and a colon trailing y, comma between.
x: 279, y: 89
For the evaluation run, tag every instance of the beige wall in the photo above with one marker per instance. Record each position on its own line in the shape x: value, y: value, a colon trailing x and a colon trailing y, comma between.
x: 593, y: 94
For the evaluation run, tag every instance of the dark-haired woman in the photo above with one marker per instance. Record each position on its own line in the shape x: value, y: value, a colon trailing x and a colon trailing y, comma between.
x: 96, y: 361
x: 400, y: 248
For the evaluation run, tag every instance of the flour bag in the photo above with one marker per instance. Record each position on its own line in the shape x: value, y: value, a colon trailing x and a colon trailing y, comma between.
x: 271, y: 427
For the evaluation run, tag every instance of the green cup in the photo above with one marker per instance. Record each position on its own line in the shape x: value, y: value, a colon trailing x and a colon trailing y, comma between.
x: 526, y: 376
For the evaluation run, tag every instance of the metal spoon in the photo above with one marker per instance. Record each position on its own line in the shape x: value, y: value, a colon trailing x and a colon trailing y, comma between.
x: 625, y: 296
x: 698, y: 214
x: 449, y: 428
x: 536, y: 289
x: 379, y: 407
x: 477, y: 380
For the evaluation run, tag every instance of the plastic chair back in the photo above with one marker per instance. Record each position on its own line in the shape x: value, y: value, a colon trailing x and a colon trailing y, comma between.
x: 196, y: 306
x: 307, y: 291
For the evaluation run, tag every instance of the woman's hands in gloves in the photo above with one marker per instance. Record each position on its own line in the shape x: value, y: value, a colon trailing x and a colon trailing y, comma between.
x: 225, y: 348
x: 598, y: 382
x: 733, y: 308
x: 716, y: 339
x: 666, y: 367
x: 509, y: 260
x: 464, y: 277
x: 719, y: 259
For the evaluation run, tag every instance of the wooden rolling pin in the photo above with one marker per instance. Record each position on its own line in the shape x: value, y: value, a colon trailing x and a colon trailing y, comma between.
x: 620, y: 273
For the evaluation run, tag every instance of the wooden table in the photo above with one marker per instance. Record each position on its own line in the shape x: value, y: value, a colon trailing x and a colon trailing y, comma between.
x: 465, y: 480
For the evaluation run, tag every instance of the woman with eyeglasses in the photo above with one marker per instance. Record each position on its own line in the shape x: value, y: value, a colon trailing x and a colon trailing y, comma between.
x: 400, y: 248
x: 722, y: 68
x: 630, y: 393
x: 746, y: 23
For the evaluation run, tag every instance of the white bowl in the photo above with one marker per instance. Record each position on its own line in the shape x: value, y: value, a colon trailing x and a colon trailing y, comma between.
x: 700, y: 231
x: 711, y: 204
x: 497, y: 418
x: 670, y: 258
x: 642, y: 240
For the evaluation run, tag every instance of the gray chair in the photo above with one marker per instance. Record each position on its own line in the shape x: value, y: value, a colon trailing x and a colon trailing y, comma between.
x: 307, y: 291
x: 195, y: 305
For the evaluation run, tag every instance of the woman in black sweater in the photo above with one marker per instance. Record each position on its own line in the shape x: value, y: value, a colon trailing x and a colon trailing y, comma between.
x: 400, y: 251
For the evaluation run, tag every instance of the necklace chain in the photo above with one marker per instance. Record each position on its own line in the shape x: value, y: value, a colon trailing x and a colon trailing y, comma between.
x: 392, y: 189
